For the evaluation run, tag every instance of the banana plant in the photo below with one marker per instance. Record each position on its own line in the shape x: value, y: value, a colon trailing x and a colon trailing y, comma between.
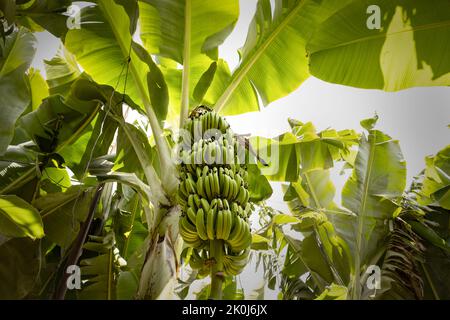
x: 378, y: 224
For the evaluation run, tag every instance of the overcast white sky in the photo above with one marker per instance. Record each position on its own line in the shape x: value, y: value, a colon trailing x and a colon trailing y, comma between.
x: 418, y: 117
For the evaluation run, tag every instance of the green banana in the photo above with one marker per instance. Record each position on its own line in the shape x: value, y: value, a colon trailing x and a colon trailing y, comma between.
x: 241, y: 241
x: 205, y: 204
x: 191, y: 201
x: 216, y: 182
x: 191, y: 215
x: 200, y: 224
x: 208, y: 190
x: 247, y: 197
x: 200, y: 187
x: 235, y: 189
x: 226, y: 224
x: 226, y: 205
x: 210, y: 219
x: 241, y: 195
x: 197, y: 201
x: 236, y: 230
x: 187, y: 230
x: 205, y: 171
x: 219, y: 224
x: 226, y: 186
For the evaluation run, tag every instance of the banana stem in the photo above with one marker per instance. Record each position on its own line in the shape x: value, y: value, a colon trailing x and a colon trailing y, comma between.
x: 216, y: 253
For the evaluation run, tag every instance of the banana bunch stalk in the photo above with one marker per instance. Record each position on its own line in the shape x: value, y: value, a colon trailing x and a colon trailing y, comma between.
x: 214, y: 197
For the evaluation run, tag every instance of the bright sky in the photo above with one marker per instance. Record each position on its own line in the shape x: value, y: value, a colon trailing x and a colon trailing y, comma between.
x: 417, y: 117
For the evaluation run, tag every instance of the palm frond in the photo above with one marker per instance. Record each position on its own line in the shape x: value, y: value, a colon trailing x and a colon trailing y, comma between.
x: 101, y: 271
x: 400, y: 272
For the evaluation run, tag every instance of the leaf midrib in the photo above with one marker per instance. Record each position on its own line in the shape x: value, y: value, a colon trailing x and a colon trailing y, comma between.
x: 319, y: 206
x: 78, y: 132
x: 59, y: 206
x: 243, y: 70
x: 362, y: 213
x: 16, y: 39
x: 123, y: 48
x: 133, y: 217
x: 186, y: 63
x: 23, y: 229
x: 110, y: 275
x: 161, y: 143
x: 24, y: 176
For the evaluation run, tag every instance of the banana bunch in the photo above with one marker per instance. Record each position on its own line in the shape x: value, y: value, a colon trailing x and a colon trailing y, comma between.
x: 198, y: 125
x: 213, y: 193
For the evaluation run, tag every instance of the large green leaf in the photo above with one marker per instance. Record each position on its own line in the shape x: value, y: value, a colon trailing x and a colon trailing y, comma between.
x: 128, y: 223
x: 379, y: 176
x: 311, y: 199
x: 314, y: 190
x: 130, y: 180
x: 8, y: 10
x: 19, y: 219
x: 134, y: 148
x: 334, y: 292
x: 410, y: 49
x: 273, y: 59
x: 176, y: 29
x: 173, y: 78
x: 19, y: 267
x: 434, y: 192
x: 437, y: 259
x: 189, y: 33
x: 318, y: 150
x: 17, y: 169
x: 101, y: 271
x: 130, y: 235
x: 315, y: 264
x: 436, y: 183
x: 303, y: 150
x: 38, y: 88
x: 75, y: 126
x: 62, y: 70
x: 38, y: 15
x: 95, y: 138
x: 282, y: 155
x: 258, y: 186
x: 101, y: 46
x: 55, y: 123
x: 244, y: 99
x: 105, y: 49
x: 62, y: 213
x: 435, y: 275
x: 16, y: 55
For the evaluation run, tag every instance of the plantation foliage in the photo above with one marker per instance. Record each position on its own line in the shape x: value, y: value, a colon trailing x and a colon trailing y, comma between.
x: 84, y: 184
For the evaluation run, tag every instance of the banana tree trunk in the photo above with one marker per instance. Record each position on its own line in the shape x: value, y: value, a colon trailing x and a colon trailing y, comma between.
x: 161, y: 266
